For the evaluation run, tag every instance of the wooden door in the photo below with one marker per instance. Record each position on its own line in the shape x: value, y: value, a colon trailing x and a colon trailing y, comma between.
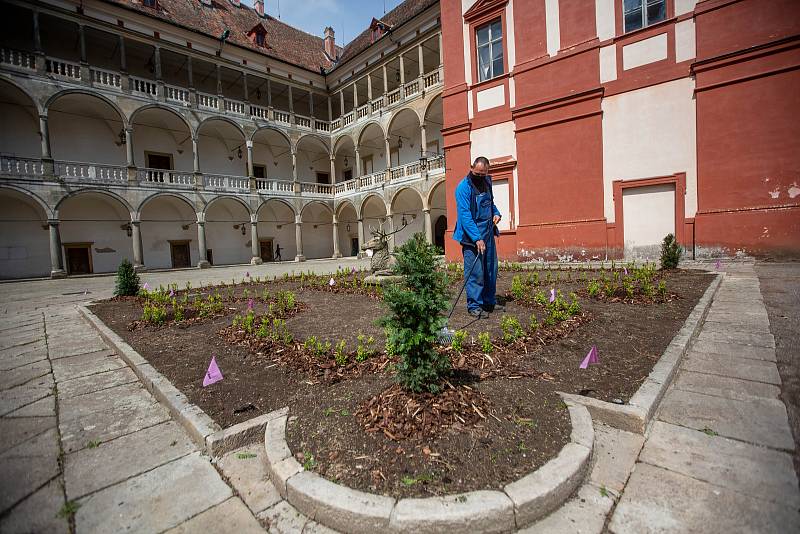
x: 180, y: 254
x: 266, y: 249
x: 79, y: 258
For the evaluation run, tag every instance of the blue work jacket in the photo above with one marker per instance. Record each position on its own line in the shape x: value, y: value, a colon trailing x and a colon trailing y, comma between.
x: 467, y: 210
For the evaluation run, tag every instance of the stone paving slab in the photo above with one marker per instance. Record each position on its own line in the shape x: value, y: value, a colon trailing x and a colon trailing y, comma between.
x: 19, y: 340
x: 249, y: 476
x: 37, y: 513
x: 82, y: 342
x: 91, y: 469
x: 731, y: 366
x: 17, y: 430
x: 13, y: 358
x: 85, y: 364
x: 659, y: 500
x: 229, y: 516
x: 753, y: 471
x: 42, y: 445
x: 96, y: 382
x: 724, y: 386
x: 108, y: 414
x: 739, y: 338
x: 24, y: 373
x: 614, y: 455
x: 585, y: 513
x: 155, y: 501
x: 726, y: 328
x: 735, y: 349
x: 759, y: 421
x: 27, y: 476
x: 44, y: 407
x: 737, y: 320
x: 17, y: 397
x: 283, y: 518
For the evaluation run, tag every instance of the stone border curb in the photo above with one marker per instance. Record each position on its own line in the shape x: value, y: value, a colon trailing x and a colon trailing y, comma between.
x: 636, y: 415
x: 519, y: 503
x: 207, y: 435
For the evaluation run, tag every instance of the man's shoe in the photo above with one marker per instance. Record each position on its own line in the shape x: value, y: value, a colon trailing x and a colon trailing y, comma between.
x: 477, y: 312
x: 494, y: 308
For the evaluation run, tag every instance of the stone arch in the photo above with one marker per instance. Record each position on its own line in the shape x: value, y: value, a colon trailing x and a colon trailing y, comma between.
x: 434, y: 186
x: 316, y: 138
x: 24, y: 233
x: 430, y: 102
x: 140, y: 109
x: 364, y: 129
x: 158, y: 194
x: 342, y: 204
x: 281, y: 132
x: 49, y: 212
x: 364, y: 201
x: 122, y: 200
x: 319, y: 202
x: 280, y: 200
x: 398, y: 112
x: 230, y: 197
x: 341, y: 139
x: 224, y: 119
x: 53, y: 98
x: 422, y: 198
x: 36, y: 103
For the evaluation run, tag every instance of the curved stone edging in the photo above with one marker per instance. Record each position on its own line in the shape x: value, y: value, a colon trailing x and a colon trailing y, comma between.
x: 636, y: 415
x: 519, y: 504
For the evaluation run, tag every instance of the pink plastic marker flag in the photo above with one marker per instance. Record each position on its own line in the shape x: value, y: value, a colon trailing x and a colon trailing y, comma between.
x: 625, y: 271
x: 552, y: 295
x: 332, y: 282
x: 590, y: 358
x: 171, y: 293
x: 718, y: 265
x: 146, y: 286
x: 249, y: 304
x: 213, y: 375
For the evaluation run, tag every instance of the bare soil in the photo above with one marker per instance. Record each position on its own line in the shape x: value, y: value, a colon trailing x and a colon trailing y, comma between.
x: 513, y: 419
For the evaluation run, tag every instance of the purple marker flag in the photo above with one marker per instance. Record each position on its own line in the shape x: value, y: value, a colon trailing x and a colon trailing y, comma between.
x: 249, y: 304
x: 146, y: 286
x: 590, y: 358
x: 625, y: 271
x: 552, y: 295
x: 718, y: 265
x: 332, y: 282
x: 171, y: 293
x: 213, y: 375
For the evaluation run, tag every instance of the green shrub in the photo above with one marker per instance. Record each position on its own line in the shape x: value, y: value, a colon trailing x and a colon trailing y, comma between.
x: 364, y: 348
x: 512, y: 330
x: 127, y: 280
x: 670, y: 252
x: 458, y: 340
x: 517, y: 288
x: 340, y: 354
x: 415, y: 318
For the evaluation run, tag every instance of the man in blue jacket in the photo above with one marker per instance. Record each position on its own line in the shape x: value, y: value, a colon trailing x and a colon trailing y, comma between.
x: 476, y: 228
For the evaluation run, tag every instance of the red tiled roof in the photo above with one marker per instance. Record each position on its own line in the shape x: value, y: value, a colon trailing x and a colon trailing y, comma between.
x: 283, y: 42
x: 394, y: 18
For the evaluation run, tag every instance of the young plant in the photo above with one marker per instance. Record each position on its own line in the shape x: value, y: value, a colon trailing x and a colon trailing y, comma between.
x: 415, y: 316
x: 512, y: 330
x: 458, y: 340
x: 485, y: 342
x: 340, y: 354
x: 593, y: 288
x: 127, y: 280
x: 364, y: 347
x: 517, y: 288
x: 533, y: 323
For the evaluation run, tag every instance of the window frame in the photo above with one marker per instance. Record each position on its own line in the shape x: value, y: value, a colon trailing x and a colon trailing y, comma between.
x: 644, y: 16
x: 491, y: 43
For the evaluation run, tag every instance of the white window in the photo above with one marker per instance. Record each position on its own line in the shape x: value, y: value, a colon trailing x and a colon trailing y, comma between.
x: 490, y: 50
x: 642, y: 13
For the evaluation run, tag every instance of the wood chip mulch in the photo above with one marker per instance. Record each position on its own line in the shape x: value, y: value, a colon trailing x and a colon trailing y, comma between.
x: 402, y: 415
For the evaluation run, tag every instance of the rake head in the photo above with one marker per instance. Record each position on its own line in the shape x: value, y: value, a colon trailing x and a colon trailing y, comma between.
x: 445, y: 335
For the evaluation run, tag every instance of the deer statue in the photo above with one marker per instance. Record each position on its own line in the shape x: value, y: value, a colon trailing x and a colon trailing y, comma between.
x: 381, y: 258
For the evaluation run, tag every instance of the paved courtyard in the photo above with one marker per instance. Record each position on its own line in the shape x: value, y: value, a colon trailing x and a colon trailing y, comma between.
x: 79, y: 432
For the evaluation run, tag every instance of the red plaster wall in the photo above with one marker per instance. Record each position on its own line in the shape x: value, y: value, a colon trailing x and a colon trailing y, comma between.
x: 576, y: 22
x: 724, y: 26
x: 530, y: 31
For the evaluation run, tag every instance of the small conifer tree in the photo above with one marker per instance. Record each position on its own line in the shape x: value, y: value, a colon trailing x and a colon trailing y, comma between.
x: 415, y: 318
x: 670, y: 252
x: 127, y: 280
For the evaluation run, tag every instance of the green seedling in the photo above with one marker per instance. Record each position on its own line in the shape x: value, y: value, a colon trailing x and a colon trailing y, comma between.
x: 246, y: 455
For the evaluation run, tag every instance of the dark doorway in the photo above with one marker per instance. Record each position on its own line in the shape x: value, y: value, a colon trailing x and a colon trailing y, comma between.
x: 347, y: 175
x: 180, y: 254
x: 79, y: 258
x: 323, y: 178
x: 354, y: 246
x: 210, y: 256
x: 438, y: 232
x: 266, y: 249
x: 259, y: 171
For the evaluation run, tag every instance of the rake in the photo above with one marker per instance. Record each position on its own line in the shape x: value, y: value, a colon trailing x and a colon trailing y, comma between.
x: 445, y: 335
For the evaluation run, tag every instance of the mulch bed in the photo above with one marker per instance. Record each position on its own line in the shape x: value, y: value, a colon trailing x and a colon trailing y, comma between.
x: 498, y: 418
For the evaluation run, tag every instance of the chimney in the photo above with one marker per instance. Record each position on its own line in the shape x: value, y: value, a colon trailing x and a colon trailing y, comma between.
x: 330, y: 43
x: 258, y: 5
